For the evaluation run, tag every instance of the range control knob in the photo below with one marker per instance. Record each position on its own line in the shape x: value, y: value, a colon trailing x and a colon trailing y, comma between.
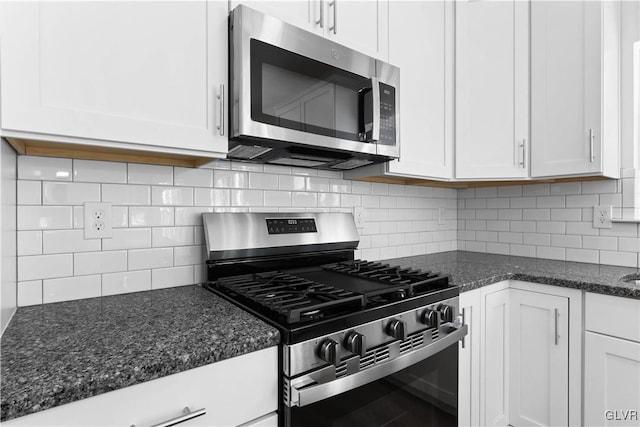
x: 330, y: 352
x: 356, y: 343
x: 446, y: 313
x: 430, y: 318
x: 397, y: 330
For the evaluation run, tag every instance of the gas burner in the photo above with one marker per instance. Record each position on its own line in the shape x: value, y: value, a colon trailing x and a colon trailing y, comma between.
x: 294, y: 298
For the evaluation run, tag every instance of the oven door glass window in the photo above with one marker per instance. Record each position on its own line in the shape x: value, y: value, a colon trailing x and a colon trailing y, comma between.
x: 424, y: 394
x: 295, y: 92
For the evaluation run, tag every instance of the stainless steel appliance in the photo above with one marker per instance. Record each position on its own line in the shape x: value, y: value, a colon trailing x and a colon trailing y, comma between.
x: 363, y: 343
x: 300, y: 99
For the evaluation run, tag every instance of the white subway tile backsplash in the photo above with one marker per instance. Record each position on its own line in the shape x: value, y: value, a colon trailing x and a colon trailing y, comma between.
x: 629, y: 244
x: 583, y: 201
x: 98, y: 171
x: 566, y: 241
x: 212, y: 197
x: 339, y: 186
x: 522, y: 202
x: 599, y: 187
x: 29, y: 293
x: 128, y: 238
x: 189, y: 255
x: 582, y: 255
x: 190, y: 216
x: 245, y: 166
x: 536, y: 239
x: 551, y: 202
x: 247, y: 198
x: 29, y: 243
x: 171, y: 277
x: 71, y: 288
x: 44, y: 168
x: 172, y: 236
x: 44, y: 217
x: 547, y: 252
x: 149, y: 174
x: 126, y: 282
x: 172, y: 196
x: 67, y: 241
x: 597, y: 242
x: 193, y: 177
x: 29, y: 192
x: 119, y: 216
x: 150, y: 216
x: 319, y: 184
x: 510, y: 191
x: 563, y: 188
x: 536, y: 190
x: 552, y: 227
x: 574, y: 214
x: 230, y: 179
x: 119, y: 194
x: 325, y: 200
x: 300, y: 199
x: 99, y: 262
x: 536, y: 214
x: 510, y: 214
x: 624, y: 259
x: 292, y: 182
x: 141, y: 259
x: 263, y: 181
x: 522, y: 250
x: 44, y: 266
x: 69, y: 193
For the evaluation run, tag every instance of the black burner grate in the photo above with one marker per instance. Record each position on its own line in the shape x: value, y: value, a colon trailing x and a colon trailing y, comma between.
x: 294, y: 298
x: 407, y: 280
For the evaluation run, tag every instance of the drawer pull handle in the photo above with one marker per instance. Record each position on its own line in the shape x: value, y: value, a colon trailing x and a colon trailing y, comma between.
x: 187, y: 415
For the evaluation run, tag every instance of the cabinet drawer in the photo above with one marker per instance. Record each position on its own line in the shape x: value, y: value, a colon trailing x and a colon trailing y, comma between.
x: 233, y: 391
x: 615, y: 316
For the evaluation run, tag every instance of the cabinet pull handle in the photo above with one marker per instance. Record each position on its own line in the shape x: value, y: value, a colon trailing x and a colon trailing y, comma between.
x: 321, y: 20
x: 187, y: 415
x: 592, y: 136
x: 556, y: 325
x: 334, y: 28
x: 464, y: 323
x: 524, y: 152
x: 220, y: 97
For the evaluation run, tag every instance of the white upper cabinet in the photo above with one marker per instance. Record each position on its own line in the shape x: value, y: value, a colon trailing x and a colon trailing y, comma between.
x: 425, y: 143
x: 421, y: 45
x: 492, y: 89
x: 360, y: 25
x: 144, y: 73
x: 574, y: 88
x: 298, y: 13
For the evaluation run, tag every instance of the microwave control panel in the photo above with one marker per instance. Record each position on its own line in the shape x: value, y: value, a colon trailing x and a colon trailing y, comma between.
x: 387, y: 114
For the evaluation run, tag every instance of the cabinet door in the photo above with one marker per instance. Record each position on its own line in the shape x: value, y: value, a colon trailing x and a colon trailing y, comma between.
x: 137, y: 72
x: 566, y: 128
x: 539, y: 348
x: 494, y: 375
x: 360, y: 25
x: 469, y: 361
x: 612, y: 381
x: 426, y: 93
x: 492, y: 89
x: 299, y: 13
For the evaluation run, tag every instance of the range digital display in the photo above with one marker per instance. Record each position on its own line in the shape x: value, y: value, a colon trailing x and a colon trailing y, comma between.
x: 291, y: 225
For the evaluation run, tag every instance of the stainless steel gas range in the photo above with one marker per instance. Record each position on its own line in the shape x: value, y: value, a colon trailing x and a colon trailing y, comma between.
x: 363, y: 343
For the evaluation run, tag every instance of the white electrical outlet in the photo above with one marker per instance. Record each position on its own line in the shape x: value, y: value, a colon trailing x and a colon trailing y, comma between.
x: 97, y: 220
x: 441, y: 216
x: 602, y: 216
x: 358, y: 216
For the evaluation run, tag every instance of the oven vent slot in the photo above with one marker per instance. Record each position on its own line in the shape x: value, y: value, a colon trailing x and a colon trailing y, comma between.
x: 412, y: 341
x: 435, y: 334
x: 373, y: 356
x: 285, y: 392
x: 341, y: 370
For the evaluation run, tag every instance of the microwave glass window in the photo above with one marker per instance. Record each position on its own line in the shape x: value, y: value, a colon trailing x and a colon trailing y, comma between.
x: 296, y: 92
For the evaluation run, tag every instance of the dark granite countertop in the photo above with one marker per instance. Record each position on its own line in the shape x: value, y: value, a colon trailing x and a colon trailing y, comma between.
x: 58, y: 353
x: 471, y: 270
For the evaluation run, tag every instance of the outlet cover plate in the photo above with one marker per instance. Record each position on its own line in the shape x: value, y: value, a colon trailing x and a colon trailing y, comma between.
x: 97, y: 220
x: 358, y: 216
x: 602, y: 216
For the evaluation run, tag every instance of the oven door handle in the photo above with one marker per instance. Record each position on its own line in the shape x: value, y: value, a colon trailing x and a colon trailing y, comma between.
x: 307, y: 395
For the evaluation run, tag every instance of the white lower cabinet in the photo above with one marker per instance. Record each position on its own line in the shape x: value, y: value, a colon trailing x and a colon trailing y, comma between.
x: 238, y: 391
x: 612, y: 361
x: 522, y: 366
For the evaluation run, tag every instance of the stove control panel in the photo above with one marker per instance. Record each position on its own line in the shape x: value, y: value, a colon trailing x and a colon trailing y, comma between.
x: 432, y: 322
x: 291, y: 225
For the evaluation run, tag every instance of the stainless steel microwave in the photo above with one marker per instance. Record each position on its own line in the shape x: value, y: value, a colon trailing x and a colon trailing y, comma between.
x: 299, y: 99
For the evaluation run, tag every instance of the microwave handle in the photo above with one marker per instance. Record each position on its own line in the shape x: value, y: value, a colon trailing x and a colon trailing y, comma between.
x: 375, y: 89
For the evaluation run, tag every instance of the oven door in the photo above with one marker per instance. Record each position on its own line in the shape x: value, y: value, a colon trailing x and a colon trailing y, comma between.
x: 295, y: 86
x: 419, y: 389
